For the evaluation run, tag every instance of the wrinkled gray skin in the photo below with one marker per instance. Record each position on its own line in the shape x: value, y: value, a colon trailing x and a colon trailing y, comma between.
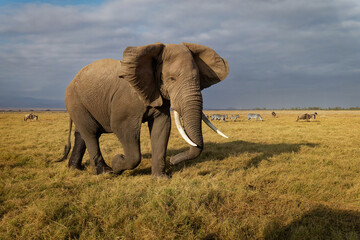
x: 117, y: 96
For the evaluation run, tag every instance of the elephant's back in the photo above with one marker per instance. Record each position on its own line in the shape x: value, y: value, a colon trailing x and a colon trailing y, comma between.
x: 99, y: 73
x: 93, y: 87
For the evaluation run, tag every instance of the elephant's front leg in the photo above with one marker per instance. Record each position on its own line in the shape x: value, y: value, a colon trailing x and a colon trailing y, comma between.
x: 159, y: 132
x: 129, y: 135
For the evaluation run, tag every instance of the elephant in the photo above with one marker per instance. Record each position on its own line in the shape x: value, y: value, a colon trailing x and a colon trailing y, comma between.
x: 117, y: 96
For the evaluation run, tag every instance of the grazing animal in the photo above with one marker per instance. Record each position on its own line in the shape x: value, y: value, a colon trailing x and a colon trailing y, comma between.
x: 31, y: 117
x: 118, y: 96
x: 234, y: 117
x: 219, y: 117
x: 254, y: 116
x: 274, y: 114
x: 313, y: 115
x: 306, y: 116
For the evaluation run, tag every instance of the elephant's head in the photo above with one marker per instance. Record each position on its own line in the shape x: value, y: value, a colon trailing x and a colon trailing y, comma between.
x: 176, y: 73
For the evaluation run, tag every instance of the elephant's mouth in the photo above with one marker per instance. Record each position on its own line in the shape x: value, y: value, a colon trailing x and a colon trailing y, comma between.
x: 186, y: 137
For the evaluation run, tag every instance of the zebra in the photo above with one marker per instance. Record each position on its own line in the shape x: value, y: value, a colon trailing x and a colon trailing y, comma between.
x: 255, y: 116
x: 214, y: 116
x: 234, y: 117
x: 31, y: 117
x: 219, y: 117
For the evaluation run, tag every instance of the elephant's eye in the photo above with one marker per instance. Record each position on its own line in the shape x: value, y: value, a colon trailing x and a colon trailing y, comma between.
x: 172, y: 79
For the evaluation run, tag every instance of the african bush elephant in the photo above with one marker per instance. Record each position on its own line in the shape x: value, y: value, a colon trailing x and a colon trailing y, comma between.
x: 117, y: 96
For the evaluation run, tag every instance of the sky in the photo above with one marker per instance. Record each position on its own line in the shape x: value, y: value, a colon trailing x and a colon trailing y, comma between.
x: 281, y: 53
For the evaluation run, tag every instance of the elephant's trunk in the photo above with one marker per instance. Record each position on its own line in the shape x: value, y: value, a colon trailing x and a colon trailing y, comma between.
x: 191, y: 113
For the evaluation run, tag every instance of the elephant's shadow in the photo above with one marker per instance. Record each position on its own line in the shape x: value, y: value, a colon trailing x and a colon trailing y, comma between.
x: 220, y: 151
x: 315, y: 224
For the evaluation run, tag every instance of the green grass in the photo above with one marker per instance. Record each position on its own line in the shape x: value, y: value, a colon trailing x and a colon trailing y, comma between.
x: 277, y: 179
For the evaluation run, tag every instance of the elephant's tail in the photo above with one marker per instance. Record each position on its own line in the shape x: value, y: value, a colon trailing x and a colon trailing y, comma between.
x: 68, y: 146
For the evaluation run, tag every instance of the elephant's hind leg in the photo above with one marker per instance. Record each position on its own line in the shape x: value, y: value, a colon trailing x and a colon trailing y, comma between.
x: 88, y: 134
x: 90, y: 131
x: 77, y: 152
x: 96, y: 158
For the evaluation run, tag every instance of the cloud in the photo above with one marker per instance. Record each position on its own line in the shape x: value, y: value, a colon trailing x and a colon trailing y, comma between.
x: 276, y: 49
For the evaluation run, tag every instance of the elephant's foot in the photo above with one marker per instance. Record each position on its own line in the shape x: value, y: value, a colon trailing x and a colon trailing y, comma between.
x: 117, y: 163
x: 102, y: 167
x: 76, y: 166
x: 75, y: 162
x: 162, y: 175
x: 158, y: 169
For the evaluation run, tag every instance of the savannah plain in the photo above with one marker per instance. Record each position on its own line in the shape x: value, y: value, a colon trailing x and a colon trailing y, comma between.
x: 276, y: 179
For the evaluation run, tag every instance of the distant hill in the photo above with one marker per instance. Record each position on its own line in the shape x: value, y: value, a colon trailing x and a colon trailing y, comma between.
x: 28, y: 102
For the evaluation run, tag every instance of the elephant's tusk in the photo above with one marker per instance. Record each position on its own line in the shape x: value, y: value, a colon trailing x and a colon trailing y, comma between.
x: 181, y: 129
x: 207, y: 121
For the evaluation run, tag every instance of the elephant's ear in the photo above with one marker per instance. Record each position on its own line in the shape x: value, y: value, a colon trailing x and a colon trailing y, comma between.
x: 212, y: 67
x: 137, y: 67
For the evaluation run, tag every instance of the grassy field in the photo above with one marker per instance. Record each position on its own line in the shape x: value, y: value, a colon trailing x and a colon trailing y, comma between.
x: 276, y: 179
